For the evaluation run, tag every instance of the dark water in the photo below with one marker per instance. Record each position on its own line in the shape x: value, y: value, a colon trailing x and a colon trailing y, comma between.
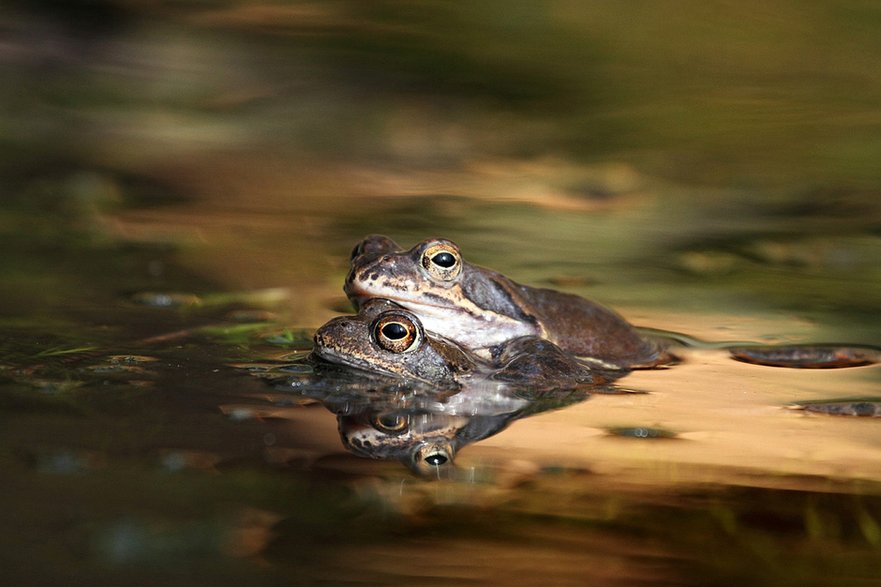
x: 182, y: 184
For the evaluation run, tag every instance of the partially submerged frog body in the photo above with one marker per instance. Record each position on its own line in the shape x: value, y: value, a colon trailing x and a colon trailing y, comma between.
x: 388, y: 339
x: 535, y: 362
x: 480, y: 309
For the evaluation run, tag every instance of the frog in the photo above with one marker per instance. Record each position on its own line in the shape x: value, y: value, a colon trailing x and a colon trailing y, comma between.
x: 456, y: 398
x: 482, y: 310
x: 385, y: 338
x: 388, y: 339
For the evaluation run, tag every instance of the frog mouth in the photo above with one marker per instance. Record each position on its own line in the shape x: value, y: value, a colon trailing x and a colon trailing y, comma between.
x: 359, y: 295
x: 335, y: 357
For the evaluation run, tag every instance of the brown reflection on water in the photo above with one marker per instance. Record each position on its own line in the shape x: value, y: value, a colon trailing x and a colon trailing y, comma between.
x: 729, y: 419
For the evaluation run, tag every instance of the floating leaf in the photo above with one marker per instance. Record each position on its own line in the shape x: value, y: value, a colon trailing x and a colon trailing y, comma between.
x: 807, y: 356
x: 862, y: 408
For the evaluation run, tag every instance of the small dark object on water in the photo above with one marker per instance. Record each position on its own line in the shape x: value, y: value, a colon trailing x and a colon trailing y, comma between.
x: 641, y: 432
x: 865, y: 408
x: 807, y: 356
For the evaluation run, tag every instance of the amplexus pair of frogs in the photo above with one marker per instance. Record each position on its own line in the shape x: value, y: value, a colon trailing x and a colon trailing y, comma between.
x: 426, y: 314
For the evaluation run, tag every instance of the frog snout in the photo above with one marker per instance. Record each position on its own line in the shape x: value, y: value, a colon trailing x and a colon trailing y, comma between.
x: 337, y: 330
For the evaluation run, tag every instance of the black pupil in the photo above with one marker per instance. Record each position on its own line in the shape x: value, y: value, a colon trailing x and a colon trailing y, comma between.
x: 436, y: 460
x: 394, y: 331
x: 445, y: 260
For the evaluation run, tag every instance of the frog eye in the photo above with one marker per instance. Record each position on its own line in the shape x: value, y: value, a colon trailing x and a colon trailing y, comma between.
x: 442, y: 260
x: 435, y: 458
x: 390, y: 422
x: 396, y: 333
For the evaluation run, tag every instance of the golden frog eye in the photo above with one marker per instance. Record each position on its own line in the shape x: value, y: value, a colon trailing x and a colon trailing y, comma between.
x: 442, y: 261
x: 390, y: 422
x: 396, y: 333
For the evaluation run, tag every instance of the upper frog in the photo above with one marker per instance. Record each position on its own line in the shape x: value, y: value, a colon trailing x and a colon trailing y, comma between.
x: 385, y: 338
x: 481, y: 309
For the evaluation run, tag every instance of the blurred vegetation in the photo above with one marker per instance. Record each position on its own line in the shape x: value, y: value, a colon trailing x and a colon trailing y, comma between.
x: 777, y: 93
x: 754, y: 125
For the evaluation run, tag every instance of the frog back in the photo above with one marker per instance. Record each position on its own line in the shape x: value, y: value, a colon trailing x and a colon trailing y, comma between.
x: 588, y: 329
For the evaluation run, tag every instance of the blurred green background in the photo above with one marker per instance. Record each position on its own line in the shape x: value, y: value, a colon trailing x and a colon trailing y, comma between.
x: 234, y: 132
x: 776, y: 95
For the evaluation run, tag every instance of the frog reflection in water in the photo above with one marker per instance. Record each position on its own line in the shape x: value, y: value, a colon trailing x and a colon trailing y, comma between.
x: 459, y: 398
x: 479, y: 308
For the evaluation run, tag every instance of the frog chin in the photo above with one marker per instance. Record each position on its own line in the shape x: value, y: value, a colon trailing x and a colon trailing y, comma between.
x: 373, y: 366
x: 359, y: 295
x: 340, y: 358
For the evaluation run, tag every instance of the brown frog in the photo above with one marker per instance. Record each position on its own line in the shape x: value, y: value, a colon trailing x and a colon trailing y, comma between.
x: 387, y: 339
x: 481, y: 309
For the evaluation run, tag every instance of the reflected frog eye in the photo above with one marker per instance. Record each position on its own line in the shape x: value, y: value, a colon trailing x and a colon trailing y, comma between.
x: 390, y: 422
x: 436, y: 459
x: 396, y: 333
x: 442, y: 261
x: 432, y: 458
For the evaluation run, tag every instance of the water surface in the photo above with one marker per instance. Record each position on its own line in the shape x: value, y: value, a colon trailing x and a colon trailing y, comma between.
x: 182, y: 185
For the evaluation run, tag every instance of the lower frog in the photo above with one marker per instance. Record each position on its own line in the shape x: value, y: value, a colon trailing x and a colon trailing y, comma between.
x: 388, y: 339
x: 482, y: 310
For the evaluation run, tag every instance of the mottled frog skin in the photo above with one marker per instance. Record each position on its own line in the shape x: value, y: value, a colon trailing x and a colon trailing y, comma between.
x: 481, y: 309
